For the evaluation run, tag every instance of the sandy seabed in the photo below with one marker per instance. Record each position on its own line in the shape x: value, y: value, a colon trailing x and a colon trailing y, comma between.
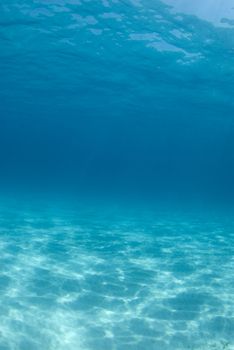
x: 76, y: 280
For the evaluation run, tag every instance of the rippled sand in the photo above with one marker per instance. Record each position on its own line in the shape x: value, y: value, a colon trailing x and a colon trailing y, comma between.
x: 73, y: 280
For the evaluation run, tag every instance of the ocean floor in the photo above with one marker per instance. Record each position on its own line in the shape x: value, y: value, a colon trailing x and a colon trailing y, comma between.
x: 94, y: 280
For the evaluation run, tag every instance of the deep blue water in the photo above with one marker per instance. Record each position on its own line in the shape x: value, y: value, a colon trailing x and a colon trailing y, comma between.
x: 116, y: 174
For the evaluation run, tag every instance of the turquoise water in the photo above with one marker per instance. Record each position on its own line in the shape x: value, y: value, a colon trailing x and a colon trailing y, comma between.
x: 101, y: 279
x: 116, y: 174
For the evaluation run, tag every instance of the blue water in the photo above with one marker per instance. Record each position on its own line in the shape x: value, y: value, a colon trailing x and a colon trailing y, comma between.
x: 116, y: 175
